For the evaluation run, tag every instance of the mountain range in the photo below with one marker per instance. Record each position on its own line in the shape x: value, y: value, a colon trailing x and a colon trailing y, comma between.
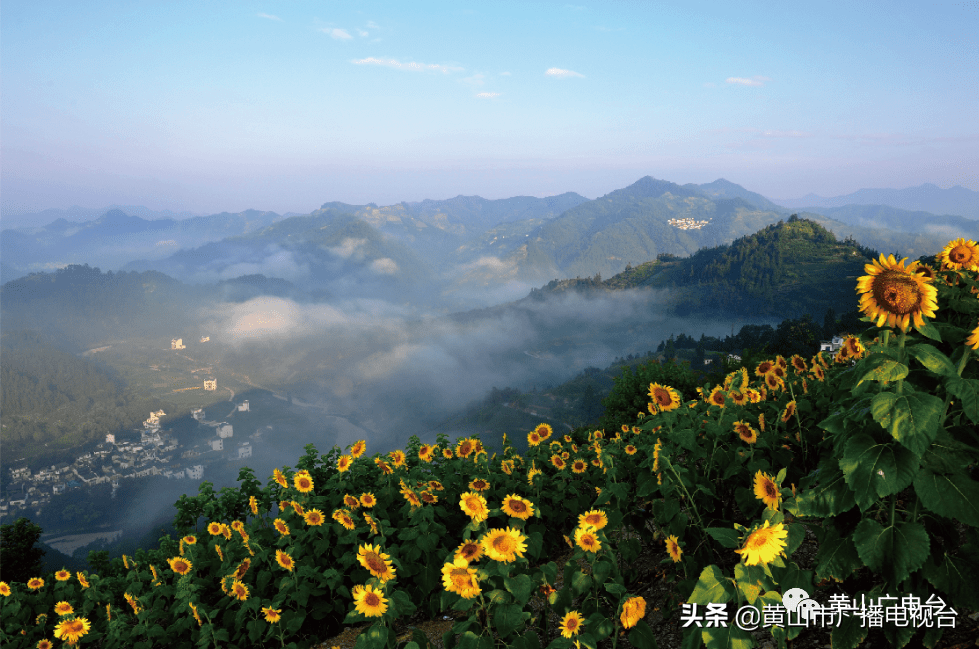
x: 956, y: 200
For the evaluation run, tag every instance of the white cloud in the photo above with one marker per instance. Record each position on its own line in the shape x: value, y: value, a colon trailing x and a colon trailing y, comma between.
x: 337, y: 33
x: 562, y: 74
x: 743, y: 81
x: 398, y: 65
x: 710, y: 84
x: 785, y: 134
x: 362, y: 33
x: 488, y: 95
x: 372, y: 25
x: 504, y: 74
x: 384, y: 266
x: 270, y: 17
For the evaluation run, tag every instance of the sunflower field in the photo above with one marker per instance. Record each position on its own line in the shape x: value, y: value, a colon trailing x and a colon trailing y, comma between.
x: 874, y: 451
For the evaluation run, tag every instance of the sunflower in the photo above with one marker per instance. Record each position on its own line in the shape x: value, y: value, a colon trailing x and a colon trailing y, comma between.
x: 459, y: 578
x: 428, y: 497
x: 397, y: 458
x: 773, y: 382
x: 190, y: 539
x: 745, y: 432
x: 973, y: 340
x: 464, y: 448
x: 673, y: 548
x: 533, y: 473
x: 664, y: 397
x: 343, y: 463
x: 789, y: 411
x: 479, y: 485
x: 345, y: 519
x: 296, y: 507
x: 763, y: 368
x: 739, y: 398
x: 425, y: 453
x: 579, y: 466
x: 471, y: 551
x: 239, y: 591
x: 633, y: 610
x: 586, y: 539
x: 180, y: 565
x: 517, y: 507
x: 284, y: 560
x: 717, y: 397
x: 253, y: 504
x: 595, y: 519
x: 558, y: 462
x: 383, y: 466
x: 71, y: 630
x: 799, y: 364
x: 544, y: 430
x: 447, y: 453
x: 4, y: 589
x: 571, y: 624
x: 754, y: 396
x: 280, y: 478
x: 62, y: 575
x: 272, y: 615
x: 764, y: 544
x: 358, y: 448
x: 377, y: 562
x: 370, y: 602
x: 630, y: 449
x: 351, y: 501
x: 895, y: 295
x: 474, y: 505
x: 504, y: 544
x: 281, y: 526
x: 761, y: 421
x: 436, y: 485
x: 367, y: 499
x: 303, y: 482
x: 533, y: 439
x: 63, y: 608
x: 817, y: 371
x: 44, y: 644
x: 217, y: 548
x: 314, y: 517
x: 242, y: 569
x: 854, y: 347
x: 960, y: 254
x: 766, y: 490
x: 197, y: 615
x: 412, y: 498
x: 371, y: 522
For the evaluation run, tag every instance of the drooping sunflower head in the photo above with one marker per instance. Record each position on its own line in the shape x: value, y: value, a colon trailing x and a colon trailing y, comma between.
x: 284, y: 560
x: 854, y: 347
x: 960, y: 254
x: 766, y: 490
x: 789, y: 410
x: 517, y: 507
x: 673, y: 548
x: 280, y: 478
x: 895, y: 295
x: 973, y: 339
x: 817, y: 371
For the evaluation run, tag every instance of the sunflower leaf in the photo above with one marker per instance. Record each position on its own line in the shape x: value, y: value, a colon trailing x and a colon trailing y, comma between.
x: 933, y: 359
x: 878, y: 367
x: 837, y: 556
x: 728, y: 538
x: 954, y: 495
x: 928, y: 330
x: 911, y: 419
x: 641, y: 636
x: 520, y: 587
x: 875, y: 470
x: 712, y: 587
x: 967, y: 391
x: 894, y: 551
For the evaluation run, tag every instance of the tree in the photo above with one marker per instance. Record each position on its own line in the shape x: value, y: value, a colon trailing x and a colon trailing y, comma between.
x: 19, y: 559
x: 829, y: 323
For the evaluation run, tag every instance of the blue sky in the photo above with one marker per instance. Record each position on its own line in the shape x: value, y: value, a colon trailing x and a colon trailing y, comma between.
x: 215, y: 105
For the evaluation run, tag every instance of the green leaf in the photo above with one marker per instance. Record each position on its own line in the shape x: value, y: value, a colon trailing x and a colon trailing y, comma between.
x: 933, y: 359
x: 520, y: 586
x: 894, y: 551
x: 837, y: 556
x: 911, y: 419
x: 928, y: 330
x: 875, y: 470
x: 729, y: 637
x: 849, y: 633
x: 967, y: 392
x: 616, y: 589
x: 641, y: 636
x: 712, y: 587
x: 580, y: 582
x: 686, y: 438
x: 878, y: 367
x: 508, y: 618
x: 957, y: 575
x: 728, y: 538
x: 831, y: 497
x: 955, y: 495
x: 498, y: 596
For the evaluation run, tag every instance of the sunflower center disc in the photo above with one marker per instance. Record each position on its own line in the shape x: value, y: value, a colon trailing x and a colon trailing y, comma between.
x: 898, y: 291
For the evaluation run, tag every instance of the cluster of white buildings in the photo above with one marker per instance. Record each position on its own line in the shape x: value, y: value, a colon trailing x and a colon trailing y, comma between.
x: 116, y: 460
x: 688, y: 223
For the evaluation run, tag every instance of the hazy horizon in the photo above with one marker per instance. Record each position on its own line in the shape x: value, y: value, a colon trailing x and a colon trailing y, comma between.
x: 227, y: 107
